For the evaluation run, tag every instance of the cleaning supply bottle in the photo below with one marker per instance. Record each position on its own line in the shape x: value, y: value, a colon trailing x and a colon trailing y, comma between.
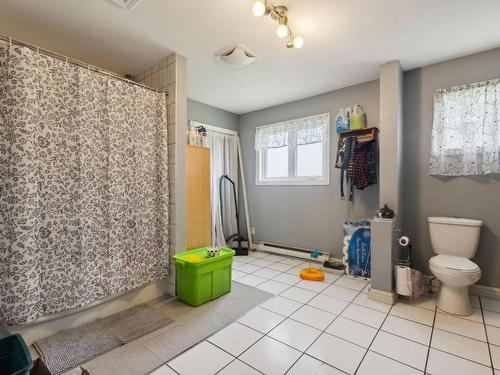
x: 347, y: 118
x: 357, y: 118
x: 192, y: 135
x: 340, y: 121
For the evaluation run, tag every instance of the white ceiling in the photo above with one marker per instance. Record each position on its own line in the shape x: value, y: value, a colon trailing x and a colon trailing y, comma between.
x: 345, y: 40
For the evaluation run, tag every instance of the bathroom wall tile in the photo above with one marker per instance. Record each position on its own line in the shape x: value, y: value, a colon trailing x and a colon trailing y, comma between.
x: 171, y: 134
x: 163, y: 63
x: 163, y: 78
x: 148, y: 81
x: 171, y: 155
x: 171, y: 113
x: 171, y: 93
x: 155, y: 80
x: 171, y: 59
x: 171, y: 70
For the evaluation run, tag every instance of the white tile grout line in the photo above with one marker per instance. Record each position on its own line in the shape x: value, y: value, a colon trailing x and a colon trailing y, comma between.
x: 324, y: 331
x: 486, y: 333
x: 371, y: 343
x: 430, y: 340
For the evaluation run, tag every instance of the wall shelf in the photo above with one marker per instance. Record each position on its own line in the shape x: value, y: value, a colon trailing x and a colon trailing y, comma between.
x: 365, y: 134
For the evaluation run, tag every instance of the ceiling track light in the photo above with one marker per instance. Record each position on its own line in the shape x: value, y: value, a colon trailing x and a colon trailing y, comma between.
x: 278, y: 13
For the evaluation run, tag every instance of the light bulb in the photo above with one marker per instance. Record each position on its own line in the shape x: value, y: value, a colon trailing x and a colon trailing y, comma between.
x: 298, y: 42
x: 259, y: 8
x: 282, y: 31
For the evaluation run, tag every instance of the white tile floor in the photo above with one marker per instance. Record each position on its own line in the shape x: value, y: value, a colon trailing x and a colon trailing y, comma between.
x: 331, y: 327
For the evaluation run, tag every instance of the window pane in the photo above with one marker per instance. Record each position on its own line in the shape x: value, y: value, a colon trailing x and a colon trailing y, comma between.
x: 310, y: 160
x: 277, y: 162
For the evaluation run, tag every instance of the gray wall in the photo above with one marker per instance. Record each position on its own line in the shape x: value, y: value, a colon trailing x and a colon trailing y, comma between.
x: 211, y: 115
x: 424, y: 195
x: 307, y: 216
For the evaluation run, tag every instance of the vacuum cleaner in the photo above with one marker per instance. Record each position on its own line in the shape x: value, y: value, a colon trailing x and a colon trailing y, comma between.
x: 238, y: 250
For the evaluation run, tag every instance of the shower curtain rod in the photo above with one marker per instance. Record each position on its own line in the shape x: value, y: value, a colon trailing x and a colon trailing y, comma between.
x: 76, y: 62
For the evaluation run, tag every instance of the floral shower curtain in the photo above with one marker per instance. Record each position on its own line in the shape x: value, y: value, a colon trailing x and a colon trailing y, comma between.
x: 83, y: 191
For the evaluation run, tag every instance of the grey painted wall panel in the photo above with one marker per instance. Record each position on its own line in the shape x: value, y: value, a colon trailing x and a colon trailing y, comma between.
x: 424, y: 195
x: 212, y: 116
x: 307, y: 216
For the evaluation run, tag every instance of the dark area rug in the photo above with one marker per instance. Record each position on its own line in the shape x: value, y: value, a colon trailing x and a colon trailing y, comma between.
x: 72, y: 347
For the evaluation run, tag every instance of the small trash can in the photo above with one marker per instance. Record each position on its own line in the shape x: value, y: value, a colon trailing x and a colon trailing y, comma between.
x: 200, y: 278
x: 15, y: 358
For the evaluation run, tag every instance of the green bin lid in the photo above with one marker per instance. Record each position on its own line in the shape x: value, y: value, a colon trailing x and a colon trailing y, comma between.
x: 200, y: 256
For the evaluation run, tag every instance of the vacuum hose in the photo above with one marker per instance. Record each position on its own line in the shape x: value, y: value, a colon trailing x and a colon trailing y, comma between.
x: 235, y: 206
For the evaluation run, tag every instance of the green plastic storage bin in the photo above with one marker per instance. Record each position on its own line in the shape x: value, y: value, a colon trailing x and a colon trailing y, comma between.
x: 15, y: 358
x: 199, y: 278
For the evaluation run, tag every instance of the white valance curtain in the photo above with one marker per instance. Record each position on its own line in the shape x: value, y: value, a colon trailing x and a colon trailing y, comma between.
x: 466, y: 130
x: 302, y: 131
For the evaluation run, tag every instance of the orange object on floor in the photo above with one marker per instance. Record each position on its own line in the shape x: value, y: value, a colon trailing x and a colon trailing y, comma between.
x: 312, y: 273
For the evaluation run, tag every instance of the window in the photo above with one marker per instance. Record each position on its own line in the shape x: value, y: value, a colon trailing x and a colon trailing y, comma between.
x: 295, y: 152
x: 466, y: 130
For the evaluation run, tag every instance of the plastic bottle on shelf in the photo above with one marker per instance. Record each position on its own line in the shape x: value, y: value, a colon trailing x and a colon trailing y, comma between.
x: 357, y: 118
x: 192, y: 135
x: 340, y: 123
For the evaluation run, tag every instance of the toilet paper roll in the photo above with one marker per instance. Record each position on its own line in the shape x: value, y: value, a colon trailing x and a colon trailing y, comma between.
x: 347, y: 239
x: 404, y: 241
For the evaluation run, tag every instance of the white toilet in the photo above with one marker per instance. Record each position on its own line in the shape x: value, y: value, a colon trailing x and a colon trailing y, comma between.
x: 455, y: 241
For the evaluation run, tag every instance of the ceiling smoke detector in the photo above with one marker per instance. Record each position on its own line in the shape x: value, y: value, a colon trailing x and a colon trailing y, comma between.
x: 239, y: 55
x: 126, y: 4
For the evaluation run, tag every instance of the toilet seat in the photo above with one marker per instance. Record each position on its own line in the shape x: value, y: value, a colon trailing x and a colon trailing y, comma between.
x: 454, y: 263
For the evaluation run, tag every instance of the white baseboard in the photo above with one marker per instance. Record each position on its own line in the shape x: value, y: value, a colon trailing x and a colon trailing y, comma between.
x: 292, y: 251
x: 382, y: 296
x: 485, y: 291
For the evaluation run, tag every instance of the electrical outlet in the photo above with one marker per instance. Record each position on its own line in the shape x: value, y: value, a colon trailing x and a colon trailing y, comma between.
x: 252, y: 230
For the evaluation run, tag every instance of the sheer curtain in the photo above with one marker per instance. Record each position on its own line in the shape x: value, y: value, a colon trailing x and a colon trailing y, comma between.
x: 224, y: 161
x: 466, y: 130
x: 84, y: 190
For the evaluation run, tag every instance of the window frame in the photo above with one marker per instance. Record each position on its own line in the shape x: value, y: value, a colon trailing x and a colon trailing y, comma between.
x: 292, y: 179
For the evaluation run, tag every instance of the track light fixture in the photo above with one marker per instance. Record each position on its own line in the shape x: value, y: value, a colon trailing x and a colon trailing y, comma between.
x: 278, y: 13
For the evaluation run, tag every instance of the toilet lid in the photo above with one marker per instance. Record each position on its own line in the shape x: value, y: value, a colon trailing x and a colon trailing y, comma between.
x: 454, y: 263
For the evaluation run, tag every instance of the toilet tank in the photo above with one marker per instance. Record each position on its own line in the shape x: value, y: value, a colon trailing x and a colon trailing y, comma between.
x: 454, y: 236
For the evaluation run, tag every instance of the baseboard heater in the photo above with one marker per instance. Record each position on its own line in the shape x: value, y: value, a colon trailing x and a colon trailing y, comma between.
x: 293, y: 251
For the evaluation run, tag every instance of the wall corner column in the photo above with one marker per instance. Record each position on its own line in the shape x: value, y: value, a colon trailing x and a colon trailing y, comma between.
x: 384, y: 247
